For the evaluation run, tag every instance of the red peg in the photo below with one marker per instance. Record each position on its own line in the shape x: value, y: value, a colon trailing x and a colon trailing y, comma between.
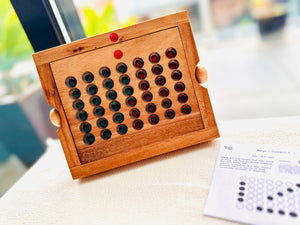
x: 113, y: 37
x: 118, y: 54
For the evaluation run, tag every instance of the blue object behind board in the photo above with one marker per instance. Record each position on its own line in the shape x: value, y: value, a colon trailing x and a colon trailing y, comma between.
x: 17, y: 135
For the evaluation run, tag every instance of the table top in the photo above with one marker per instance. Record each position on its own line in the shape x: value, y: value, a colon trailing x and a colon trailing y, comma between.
x: 168, y: 189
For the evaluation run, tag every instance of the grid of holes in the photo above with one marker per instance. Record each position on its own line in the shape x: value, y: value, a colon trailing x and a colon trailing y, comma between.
x: 131, y: 101
x: 269, y: 196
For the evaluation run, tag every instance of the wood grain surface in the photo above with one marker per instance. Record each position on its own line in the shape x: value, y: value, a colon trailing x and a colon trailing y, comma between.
x: 89, y: 55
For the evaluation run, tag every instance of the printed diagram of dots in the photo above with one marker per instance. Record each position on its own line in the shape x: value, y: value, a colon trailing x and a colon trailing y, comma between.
x: 127, y: 94
x: 128, y: 91
x: 274, y: 197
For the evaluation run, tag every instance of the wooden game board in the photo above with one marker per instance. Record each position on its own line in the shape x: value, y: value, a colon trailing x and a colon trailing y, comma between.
x: 127, y: 95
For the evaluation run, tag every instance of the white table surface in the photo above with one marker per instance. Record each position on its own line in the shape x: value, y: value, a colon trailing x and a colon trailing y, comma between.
x: 169, y: 189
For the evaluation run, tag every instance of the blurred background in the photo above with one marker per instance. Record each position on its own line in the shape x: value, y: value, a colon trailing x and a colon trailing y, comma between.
x: 249, y: 47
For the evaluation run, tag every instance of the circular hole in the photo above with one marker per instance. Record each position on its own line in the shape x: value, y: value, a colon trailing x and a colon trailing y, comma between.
x: 290, y: 190
x: 99, y: 111
x: 270, y: 210
x: 138, y: 63
x: 171, y: 53
x: 82, y: 116
x: 115, y: 106
x: 241, y: 188
x: 157, y: 69
x: 176, y: 75
x: 160, y: 80
x: 144, y: 85
x: 281, y: 212
x: 74, y: 93
x: 124, y: 79
x: 241, y: 194
x: 270, y: 182
x: 243, y: 178
x: 134, y: 113
x: 186, y: 109
x: 170, y: 114
x: 89, y: 139
x: 280, y: 194
x: 85, y: 127
x: 118, y: 118
x: 71, y: 82
x: 88, y: 77
x: 108, y: 83
x: 240, y: 199
x: 153, y: 119
x: 173, y: 64
x: 182, y: 98
x: 147, y: 96
x: 163, y: 92
x: 131, y: 101
x: 78, y: 105
x: 111, y: 95
x: 179, y: 86
x: 259, y: 208
x: 137, y: 124
x: 128, y: 90
x: 122, y: 129
x: 91, y: 89
x: 121, y: 67
x: 166, y: 103
x: 141, y: 74
x: 293, y: 214
x: 95, y: 100
x: 105, y: 134
x: 104, y: 71
x: 102, y: 123
x: 150, y: 108
x: 239, y: 205
x: 261, y: 180
x: 154, y: 57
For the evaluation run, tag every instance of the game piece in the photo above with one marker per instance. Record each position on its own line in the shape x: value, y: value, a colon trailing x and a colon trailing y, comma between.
x: 127, y: 95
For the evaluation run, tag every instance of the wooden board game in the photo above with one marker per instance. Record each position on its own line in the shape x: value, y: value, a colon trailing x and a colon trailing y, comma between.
x: 127, y: 95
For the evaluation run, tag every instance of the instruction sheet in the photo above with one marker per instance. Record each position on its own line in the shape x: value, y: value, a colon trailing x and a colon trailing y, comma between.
x: 256, y: 185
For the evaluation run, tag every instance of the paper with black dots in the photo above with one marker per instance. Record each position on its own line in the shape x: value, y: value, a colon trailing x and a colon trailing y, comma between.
x: 256, y: 185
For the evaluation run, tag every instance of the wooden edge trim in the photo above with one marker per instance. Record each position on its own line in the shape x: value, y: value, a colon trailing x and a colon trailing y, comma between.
x: 192, y: 60
x: 67, y: 142
x: 53, y: 99
x: 211, y: 120
x: 101, y: 40
x: 144, y: 152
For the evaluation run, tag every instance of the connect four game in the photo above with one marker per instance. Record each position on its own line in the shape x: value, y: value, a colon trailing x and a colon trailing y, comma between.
x: 127, y: 95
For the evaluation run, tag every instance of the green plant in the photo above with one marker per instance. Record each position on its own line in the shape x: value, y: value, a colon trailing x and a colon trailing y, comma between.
x: 14, y: 44
x: 96, y: 22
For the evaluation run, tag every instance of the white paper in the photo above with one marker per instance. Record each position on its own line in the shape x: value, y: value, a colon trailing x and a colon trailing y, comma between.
x: 256, y: 185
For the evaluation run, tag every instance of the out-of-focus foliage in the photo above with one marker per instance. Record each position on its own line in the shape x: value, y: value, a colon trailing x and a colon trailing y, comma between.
x: 14, y: 44
x: 94, y: 22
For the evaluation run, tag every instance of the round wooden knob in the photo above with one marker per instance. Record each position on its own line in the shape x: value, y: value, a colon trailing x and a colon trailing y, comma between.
x: 55, y: 118
x: 201, y: 74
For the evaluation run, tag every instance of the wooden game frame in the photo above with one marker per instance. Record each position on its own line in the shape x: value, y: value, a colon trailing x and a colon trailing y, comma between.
x: 77, y: 169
